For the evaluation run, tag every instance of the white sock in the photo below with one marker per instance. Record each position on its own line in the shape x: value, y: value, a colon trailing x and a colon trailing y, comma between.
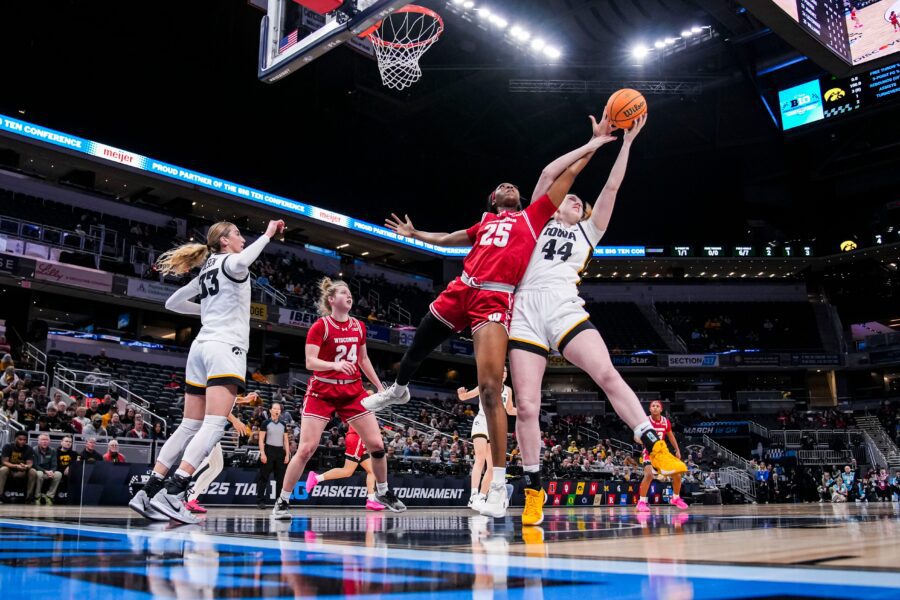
x: 531, y: 468
x: 286, y: 496
x: 474, y: 491
x: 183, y: 473
x: 157, y: 475
x: 643, y: 498
x: 381, y: 488
x: 675, y: 496
x: 499, y: 477
x: 372, y: 497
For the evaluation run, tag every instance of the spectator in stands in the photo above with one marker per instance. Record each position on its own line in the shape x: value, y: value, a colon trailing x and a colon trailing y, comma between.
x: 7, y: 360
x: 825, y: 487
x: 140, y: 429
x: 894, y: 486
x: 157, y: 433
x: 17, y: 461
x: 880, y: 481
x: 65, y: 456
x: 90, y: 454
x: 128, y: 418
x: 100, y: 361
x: 848, y: 477
x: 839, y: 491
x: 95, y: 428
x: 116, y: 428
x: 28, y: 416
x: 112, y: 453
x: 46, y: 468
x: 52, y: 418
x: 9, y: 380
x: 9, y: 408
x: 710, y: 481
x: 81, y: 418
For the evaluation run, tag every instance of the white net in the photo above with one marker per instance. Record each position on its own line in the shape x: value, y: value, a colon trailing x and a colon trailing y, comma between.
x: 401, y: 41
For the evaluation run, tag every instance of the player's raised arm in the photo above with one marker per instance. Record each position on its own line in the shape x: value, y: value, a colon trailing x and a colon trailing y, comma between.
x: 578, y: 158
x: 239, y: 264
x: 607, y: 200
x: 405, y: 228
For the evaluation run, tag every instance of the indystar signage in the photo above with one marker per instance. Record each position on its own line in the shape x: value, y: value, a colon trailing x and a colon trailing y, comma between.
x: 693, y: 360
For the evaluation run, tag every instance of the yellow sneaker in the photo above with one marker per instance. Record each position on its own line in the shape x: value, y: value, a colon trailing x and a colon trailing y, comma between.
x: 534, y: 507
x: 663, y: 461
x: 534, y: 540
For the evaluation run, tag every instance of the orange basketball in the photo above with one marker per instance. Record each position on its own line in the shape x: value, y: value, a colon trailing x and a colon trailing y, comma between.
x: 625, y: 106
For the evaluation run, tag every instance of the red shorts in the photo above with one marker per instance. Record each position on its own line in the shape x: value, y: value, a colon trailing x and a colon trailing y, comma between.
x: 461, y: 306
x: 324, y: 399
x: 356, y: 450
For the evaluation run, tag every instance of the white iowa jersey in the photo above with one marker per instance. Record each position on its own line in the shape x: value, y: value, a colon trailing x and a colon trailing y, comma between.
x: 504, y: 396
x: 560, y: 256
x: 224, y: 304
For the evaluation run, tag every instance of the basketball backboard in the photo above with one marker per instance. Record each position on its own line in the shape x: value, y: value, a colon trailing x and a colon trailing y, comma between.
x: 291, y: 35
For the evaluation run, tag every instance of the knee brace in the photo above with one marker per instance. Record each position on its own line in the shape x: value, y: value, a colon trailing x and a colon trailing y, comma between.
x: 210, y: 433
x: 178, y: 441
x: 377, y: 453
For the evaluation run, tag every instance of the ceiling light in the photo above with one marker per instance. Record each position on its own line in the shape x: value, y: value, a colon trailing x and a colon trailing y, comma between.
x: 484, y: 13
x: 366, y: 253
x: 499, y: 21
x: 342, y: 246
x: 552, y: 52
x: 640, y: 51
x: 538, y: 44
x: 696, y: 29
x: 687, y: 33
x: 659, y: 44
x: 468, y: 4
x: 670, y: 41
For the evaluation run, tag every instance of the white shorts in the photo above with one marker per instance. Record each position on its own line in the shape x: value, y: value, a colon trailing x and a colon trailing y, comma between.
x: 214, y: 363
x: 479, y: 427
x: 544, y: 320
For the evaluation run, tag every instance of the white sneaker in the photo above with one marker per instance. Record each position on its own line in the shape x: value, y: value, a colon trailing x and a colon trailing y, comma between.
x: 496, y: 503
x: 141, y: 505
x: 475, y: 500
x: 389, y: 397
x: 282, y: 511
x: 172, y: 506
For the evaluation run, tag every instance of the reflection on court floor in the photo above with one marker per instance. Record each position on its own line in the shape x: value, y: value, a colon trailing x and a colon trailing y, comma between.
x: 423, y: 554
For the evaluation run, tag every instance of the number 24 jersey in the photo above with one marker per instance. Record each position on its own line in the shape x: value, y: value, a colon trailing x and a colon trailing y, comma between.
x: 337, y: 341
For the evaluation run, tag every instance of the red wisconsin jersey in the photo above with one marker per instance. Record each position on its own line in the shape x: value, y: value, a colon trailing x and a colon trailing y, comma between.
x: 337, y: 341
x: 502, y: 244
x: 662, y: 427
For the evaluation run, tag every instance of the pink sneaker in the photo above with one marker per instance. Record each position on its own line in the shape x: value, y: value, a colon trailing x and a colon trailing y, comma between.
x: 642, y: 507
x: 373, y: 505
x: 195, y: 507
x: 311, y: 481
x: 679, y: 503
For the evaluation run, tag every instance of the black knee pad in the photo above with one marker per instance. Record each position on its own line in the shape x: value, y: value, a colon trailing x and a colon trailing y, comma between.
x: 377, y: 453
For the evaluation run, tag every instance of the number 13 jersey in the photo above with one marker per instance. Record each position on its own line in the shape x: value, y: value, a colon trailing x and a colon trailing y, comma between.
x: 561, y: 255
x: 224, y: 303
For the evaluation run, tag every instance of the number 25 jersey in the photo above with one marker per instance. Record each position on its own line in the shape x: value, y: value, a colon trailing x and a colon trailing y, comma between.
x: 560, y: 256
x: 337, y: 341
x: 502, y: 244
x: 224, y: 303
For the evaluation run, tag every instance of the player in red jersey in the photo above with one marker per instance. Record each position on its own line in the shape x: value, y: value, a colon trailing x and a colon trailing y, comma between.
x: 336, y: 354
x: 664, y: 430
x: 355, y: 456
x: 895, y: 21
x: 482, y: 297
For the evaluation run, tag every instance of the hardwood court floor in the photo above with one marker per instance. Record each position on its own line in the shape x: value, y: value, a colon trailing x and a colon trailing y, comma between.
x: 771, y: 551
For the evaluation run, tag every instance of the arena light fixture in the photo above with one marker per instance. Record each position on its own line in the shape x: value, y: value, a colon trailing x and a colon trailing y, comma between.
x: 366, y: 253
x: 659, y: 44
x: 537, y: 44
x: 640, y: 51
x: 687, y: 33
x: 552, y: 52
x: 499, y: 21
x: 484, y: 13
x: 696, y: 29
x: 468, y: 4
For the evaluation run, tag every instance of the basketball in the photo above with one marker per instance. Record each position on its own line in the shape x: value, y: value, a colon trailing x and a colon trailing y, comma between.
x: 625, y: 106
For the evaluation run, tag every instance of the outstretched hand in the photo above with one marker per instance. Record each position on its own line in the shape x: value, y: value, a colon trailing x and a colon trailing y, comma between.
x: 603, y: 127
x: 639, y: 123
x: 274, y: 227
x: 400, y: 226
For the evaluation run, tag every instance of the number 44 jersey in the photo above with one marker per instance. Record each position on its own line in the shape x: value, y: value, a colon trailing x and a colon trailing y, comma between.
x: 561, y: 255
x: 224, y: 303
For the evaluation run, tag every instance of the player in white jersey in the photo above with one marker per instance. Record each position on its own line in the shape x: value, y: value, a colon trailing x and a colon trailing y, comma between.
x: 548, y: 314
x: 481, y: 440
x: 217, y: 361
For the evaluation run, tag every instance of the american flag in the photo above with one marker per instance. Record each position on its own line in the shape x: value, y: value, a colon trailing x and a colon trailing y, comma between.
x: 287, y: 42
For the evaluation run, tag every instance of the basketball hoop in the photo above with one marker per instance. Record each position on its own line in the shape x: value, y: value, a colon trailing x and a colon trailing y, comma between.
x: 400, y: 40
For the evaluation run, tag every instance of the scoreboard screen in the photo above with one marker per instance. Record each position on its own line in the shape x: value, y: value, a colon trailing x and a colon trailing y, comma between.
x: 854, y: 33
x: 828, y: 98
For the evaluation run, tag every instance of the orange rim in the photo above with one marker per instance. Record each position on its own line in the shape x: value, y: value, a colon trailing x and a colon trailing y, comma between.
x: 409, y: 8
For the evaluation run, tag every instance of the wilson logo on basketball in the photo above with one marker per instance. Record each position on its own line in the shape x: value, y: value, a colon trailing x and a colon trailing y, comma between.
x: 634, y: 109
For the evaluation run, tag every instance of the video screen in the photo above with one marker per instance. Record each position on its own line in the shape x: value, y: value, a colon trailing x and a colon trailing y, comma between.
x: 856, y: 30
x: 801, y: 104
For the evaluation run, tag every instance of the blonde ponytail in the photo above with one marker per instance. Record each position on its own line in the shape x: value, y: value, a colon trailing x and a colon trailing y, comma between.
x: 327, y: 288
x: 182, y: 259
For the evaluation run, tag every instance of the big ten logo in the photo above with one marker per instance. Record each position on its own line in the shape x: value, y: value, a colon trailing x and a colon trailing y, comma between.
x: 259, y: 311
x: 579, y: 489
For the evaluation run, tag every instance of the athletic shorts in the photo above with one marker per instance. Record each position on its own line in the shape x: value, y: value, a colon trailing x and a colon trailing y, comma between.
x: 324, y: 399
x: 214, y: 363
x: 356, y: 450
x: 544, y: 320
x: 645, y: 459
x: 460, y: 306
x: 479, y: 427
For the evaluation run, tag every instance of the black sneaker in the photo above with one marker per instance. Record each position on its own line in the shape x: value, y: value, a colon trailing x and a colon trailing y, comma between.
x: 390, y: 501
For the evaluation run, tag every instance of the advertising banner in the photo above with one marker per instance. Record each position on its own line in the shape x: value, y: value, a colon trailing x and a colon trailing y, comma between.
x: 640, y: 360
x: 693, y: 360
x: 149, y: 290
x: 719, y: 429
x: 89, y: 279
x: 378, y: 332
x: 296, y: 318
x: 815, y: 359
x: 757, y: 360
x: 258, y: 311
